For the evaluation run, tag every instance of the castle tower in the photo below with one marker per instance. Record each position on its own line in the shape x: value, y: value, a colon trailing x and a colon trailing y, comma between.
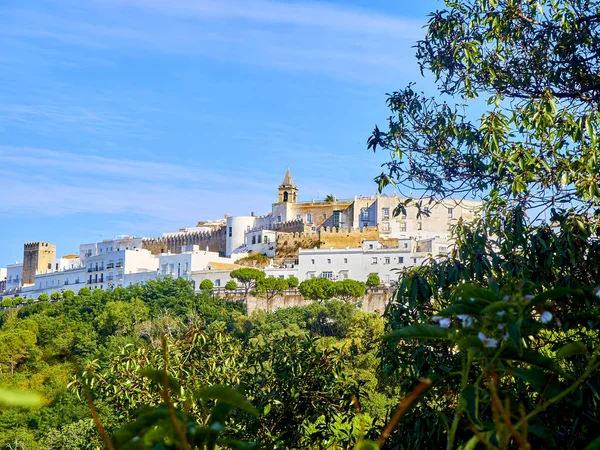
x: 37, y: 256
x: 288, y: 192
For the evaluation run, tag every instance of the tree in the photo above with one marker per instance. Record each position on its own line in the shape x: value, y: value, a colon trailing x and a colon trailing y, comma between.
x: 56, y: 296
x: 349, y: 289
x: 43, y: 297
x: 17, y: 337
x: 231, y: 285
x: 373, y: 280
x: 84, y: 291
x: 206, y: 285
x: 317, y: 289
x: 30, y: 301
x: 293, y: 282
x: 330, y: 198
x: 6, y: 302
x: 68, y: 294
x: 248, y: 277
x: 532, y: 157
x: 18, y: 300
x: 122, y: 317
x: 271, y: 287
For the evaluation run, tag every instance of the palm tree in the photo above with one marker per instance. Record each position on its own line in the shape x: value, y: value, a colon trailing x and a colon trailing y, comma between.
x: 330, y: 198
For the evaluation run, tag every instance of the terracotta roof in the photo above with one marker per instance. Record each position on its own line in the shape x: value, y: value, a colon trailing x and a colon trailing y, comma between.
x: 71, y: 256
x: 287, y: 180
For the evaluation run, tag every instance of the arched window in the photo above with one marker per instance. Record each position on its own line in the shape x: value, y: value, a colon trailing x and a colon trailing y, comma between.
x: 285, y: 196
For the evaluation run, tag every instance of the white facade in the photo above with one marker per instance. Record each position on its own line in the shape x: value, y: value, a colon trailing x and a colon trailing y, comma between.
x: 237, y: 226
x: 108, y: 270
x: 191, y: 259
x: 356, y: 263
x: 64, y: 263
x: 14, y: 278
x: 56, y: 281
x: 107, y: 246
x: 261, y: 241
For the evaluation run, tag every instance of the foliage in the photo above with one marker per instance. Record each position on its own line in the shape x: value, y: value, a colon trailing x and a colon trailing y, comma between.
x: 254, y: 260
x: 18, y: 300
x: 317, y: 289
x: 231, y: 285
x: 84, y: 291
x: 329, y: 198
x: 271, y: 287
x: 207, y: 285
x: 373, y: 280
x: 248, y: 277
x: 293, y: 282
x: 68, y: 294
x: 6, y: 302
x: 43, y: 297
x: 56, y: 296
x: 349, y: 289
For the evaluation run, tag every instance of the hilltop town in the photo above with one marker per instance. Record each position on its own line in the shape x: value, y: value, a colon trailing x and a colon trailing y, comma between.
x: 332, y: 238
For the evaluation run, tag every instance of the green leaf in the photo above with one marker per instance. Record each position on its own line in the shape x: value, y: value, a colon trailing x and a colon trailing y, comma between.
x: 552, y: 294
x: 469, y: 396
x: 594, y: 445
x: 418, y: 331
x: 158, y: 377
x: 367, y: 445
x: 470, y: 342
x: 227, y: 395
x: 462, y: 308
x: 532, y: 357
x: 10, y: 397
x: 571, y: 349
x: 538, y: 379
x: 267, y: 409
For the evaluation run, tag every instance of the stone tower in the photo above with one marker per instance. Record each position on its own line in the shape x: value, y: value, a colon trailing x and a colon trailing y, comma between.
x: 37, y: 258
x: 288, y: 192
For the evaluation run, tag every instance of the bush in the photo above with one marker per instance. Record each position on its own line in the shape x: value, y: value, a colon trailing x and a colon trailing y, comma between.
x: 43, y: 297
x: 373, y: 280
x: 18, y: 300
x: 207, y: 285
x: 68, y: 294
x: 317, y: 289
x: 30, y: 300
x: 6, y: 302
x: 231, y: 285
x: 85, y: 291
x: 56, y: 296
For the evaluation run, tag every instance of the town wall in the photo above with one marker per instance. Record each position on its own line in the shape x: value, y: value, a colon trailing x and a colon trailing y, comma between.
x: 215, y: 241
x: 374, y: 301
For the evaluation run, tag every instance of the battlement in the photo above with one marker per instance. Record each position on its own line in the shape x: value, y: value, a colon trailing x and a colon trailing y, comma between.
x: 214, y: 240
x: 37, y: 245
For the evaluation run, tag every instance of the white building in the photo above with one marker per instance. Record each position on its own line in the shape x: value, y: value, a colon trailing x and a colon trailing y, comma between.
x: 56, y: 281
x: 14, y: 278
x: 191, y: 259
x: 260, y: 241
x: 357, y: 263
x: 107, y: 246
x: 109, y: 269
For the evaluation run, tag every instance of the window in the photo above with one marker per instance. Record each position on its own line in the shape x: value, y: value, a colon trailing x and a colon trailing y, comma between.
x: 385, y: 213
x: 443, y: 250
x: 265, y: 239
x: 385, y: 227
x: 254, y: 239
x: 328, y: 260
x: 370, y: 246
x: 217, y: 282
x: 278, y: 218
x: 298, y: 216
x: 337, y: 218
x: 164, y: 269
x: 309, y: 218
x: 230, y: 231
x: 402, y: 226
x: 364, y: 213
x: 310, y: 275
x: 414, y: 260
x: 420, y: 226
x: 386, y: 260
x: 406, y: 245
x: 312, y: 261
x: 56, y: 266
x: 328, y: 275
x: 450, y: 212
x: 374, y: 260
x: 401, y: 259
x: 345, y: 260
x: 343, y: 274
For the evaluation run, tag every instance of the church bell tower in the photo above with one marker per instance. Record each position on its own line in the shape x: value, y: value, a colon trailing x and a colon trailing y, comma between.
x: 288, y: 192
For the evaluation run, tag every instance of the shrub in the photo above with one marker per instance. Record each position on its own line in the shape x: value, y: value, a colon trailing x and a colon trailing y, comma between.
x: 68, y: 294
x: 293, y: 282
x: 207, y: 285
x: 56, y: 296
x: 85, y: 291
x: 43, y: 297
x: 373, y: 280
x: 231, y: 285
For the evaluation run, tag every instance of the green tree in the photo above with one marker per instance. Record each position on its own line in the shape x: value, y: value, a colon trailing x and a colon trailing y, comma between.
x: 532, y: 157
x: 329, y: 198
x: 293, y: 282
x: 231, y: 285
x: 349, y: 289
x: 248, y: 277
x: 122, y: 317
x: 84, y: 291
x: 270, y: 287
x: 207, y: 285
x: 43, y: 297
x: 17, y: 338
x: 56, y: 296
x: 18, y: 300
x: 317, y: 289
x: 68, y: 294
x: 6, y: 302
x: 373, y: 280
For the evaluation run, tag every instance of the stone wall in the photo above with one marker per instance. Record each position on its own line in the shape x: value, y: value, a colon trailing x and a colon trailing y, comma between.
x: 214, y: 240
x: 373, y: 301
x: 36, y: 258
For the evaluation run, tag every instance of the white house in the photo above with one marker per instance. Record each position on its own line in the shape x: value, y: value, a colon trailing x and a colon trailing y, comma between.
x: 56, y: 281
x: 14, y: 278
x: 191, y: 259
x: 107, y: 246
x: 357, y: 263
x: 107, y: 270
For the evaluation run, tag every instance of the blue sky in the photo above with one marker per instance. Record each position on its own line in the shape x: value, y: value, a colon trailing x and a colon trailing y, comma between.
x: 145, y: 116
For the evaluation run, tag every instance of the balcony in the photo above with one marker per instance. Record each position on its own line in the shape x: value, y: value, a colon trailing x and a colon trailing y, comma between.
x: 110, y: 266
x: 119, y: 265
